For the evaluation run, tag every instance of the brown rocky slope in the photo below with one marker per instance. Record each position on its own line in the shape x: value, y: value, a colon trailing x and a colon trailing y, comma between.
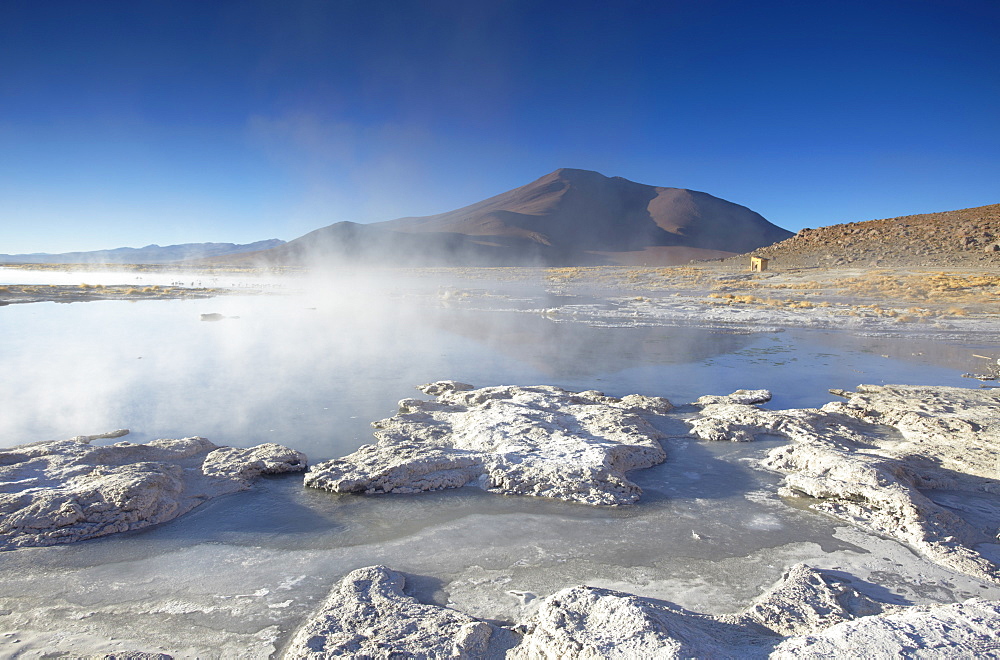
x: 967, y: 238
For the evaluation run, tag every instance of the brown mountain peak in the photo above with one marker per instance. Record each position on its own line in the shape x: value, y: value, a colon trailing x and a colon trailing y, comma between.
x: 568, y: 216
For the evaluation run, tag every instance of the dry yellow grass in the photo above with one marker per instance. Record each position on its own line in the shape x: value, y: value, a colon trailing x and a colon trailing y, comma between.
x: 936, y: 287
x: 562, y: 274
x: 636, y: 279
x: 749, y: 299
x: 879, y: 293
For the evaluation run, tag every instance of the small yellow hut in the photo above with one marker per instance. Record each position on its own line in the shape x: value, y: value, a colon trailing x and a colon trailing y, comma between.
x: 758, y: 264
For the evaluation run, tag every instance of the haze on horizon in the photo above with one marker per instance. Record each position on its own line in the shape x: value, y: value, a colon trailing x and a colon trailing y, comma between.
x: 125, y: 124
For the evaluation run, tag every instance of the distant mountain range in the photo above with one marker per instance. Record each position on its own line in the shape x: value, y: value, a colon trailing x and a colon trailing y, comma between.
x: 568, y: 217
x: 151, y: 254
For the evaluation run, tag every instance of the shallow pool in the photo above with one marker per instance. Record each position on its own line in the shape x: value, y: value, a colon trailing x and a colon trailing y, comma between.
x: 234, y: 577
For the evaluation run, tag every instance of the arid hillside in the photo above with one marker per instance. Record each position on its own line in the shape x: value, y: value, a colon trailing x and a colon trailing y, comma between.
x: 964, y: 238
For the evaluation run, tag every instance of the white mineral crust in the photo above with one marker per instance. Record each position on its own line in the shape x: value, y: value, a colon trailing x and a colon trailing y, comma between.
x: 961, y: 630
x: 948, y: 440
x: 584, y: 622
x: 70, y: 490
x: 542, y: 441
x: 809, y: 612
x: 367, y: 615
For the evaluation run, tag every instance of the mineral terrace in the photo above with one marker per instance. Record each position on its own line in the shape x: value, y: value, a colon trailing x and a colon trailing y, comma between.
x: 809, y: 613
x: 541, y: 441
x: 71, y: 490
x: 934, y: 486
x: 919, y: 464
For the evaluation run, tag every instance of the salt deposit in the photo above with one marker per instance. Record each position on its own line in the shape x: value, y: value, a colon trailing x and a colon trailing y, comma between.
x: 950, y: 442
x: 70, y: 490
x: 542, y: 441
x: 368, y: 614
x: 238, y: 576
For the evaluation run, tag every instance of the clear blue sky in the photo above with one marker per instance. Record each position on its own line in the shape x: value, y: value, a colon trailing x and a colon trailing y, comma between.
x: 136, y: 122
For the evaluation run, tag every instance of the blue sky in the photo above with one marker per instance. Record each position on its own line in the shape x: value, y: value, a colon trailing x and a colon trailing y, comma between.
x: 129, y: 123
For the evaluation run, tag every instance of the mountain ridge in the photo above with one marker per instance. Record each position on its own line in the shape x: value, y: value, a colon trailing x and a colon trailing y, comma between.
x: 567, y: 217
x: 564, y: 196
x: 149, y: 254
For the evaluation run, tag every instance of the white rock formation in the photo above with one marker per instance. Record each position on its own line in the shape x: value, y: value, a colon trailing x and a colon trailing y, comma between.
x: 367, y: 615
x: 585, y: 622
x: 958, y: 428
x: 817, y: 616
x: 962, y: 630
x: 949, y: 440
x: 70, y: 490
x: 541, y: 441
x: 809, y: 612
x: 246, y: 464
x: 805, y: 600
x: 742, y: 397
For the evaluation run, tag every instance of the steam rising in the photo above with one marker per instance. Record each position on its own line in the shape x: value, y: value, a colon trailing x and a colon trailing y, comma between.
x: 312, y: 367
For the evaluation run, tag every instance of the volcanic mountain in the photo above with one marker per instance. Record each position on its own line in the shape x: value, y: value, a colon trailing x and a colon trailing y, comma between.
x: 568, y: 217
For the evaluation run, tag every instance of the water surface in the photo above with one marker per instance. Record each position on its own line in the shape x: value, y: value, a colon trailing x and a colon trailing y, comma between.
x: 312, y: 371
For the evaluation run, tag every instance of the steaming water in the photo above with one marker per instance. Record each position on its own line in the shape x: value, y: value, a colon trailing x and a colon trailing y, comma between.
x: 234, y: 578
x: 314, y: 371
x: 67, y: 277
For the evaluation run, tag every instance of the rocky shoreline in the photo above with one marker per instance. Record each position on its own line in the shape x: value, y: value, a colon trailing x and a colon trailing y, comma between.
x: 918, y: 464
x: 809, y: 613
x: 72, y: 490
x: 949, y: 440
x: 541, y: 441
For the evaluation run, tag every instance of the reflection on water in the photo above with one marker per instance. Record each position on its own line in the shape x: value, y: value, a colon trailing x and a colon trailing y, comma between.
x: 155, y: 276
x: 312, y: 372
x: 571, y: 351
